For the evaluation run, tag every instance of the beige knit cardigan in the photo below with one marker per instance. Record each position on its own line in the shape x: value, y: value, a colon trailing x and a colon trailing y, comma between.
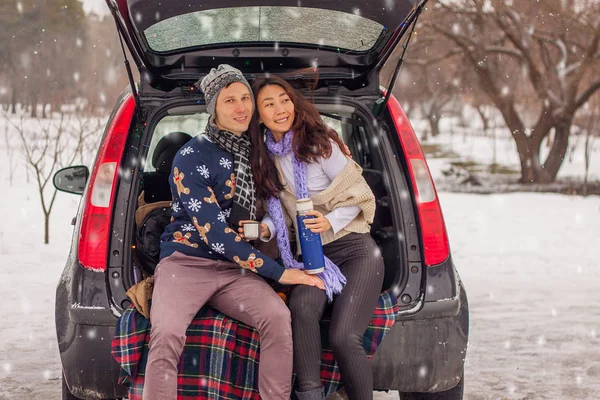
x: 349, y: 188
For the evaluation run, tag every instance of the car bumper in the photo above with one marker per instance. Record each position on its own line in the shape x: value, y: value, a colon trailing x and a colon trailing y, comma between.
x: 425, y: 352
x: 88, y: 367
x: 85, y: 327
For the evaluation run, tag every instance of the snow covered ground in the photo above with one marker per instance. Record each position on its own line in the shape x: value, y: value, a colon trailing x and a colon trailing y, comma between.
x: 529, y: 263
x: 497, y: 146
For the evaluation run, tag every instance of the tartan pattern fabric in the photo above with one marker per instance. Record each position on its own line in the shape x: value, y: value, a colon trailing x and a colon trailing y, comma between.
x: 221, y: 355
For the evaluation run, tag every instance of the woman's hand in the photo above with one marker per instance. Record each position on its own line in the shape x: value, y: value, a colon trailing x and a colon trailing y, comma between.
x: 317, y: 224
x: 293, y: 276
x: 346, y: 151
x: 265, y: 232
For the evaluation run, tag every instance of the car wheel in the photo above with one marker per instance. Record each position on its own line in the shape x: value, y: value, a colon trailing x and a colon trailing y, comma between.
x: 66, y: 393
x: 456, y: 393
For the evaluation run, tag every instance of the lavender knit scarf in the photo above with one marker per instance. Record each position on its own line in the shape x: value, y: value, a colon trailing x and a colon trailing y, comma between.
x: 332, y: 276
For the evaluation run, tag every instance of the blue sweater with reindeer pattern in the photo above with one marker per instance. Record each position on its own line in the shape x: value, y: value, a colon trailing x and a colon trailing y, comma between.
x: 203, y: 184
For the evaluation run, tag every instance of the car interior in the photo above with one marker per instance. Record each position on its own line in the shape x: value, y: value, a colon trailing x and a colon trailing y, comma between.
x: 180, y: 125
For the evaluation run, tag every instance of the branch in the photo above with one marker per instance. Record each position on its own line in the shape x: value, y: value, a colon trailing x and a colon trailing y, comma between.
x: 534, y: 73
x: 554, y: 98
x: 585, y: 96
x: 504, y: 50
x: 52, y: 202
x: 435, y: 60
x: 40, y: 188
x: 462, y: 41
x: 587, y: 61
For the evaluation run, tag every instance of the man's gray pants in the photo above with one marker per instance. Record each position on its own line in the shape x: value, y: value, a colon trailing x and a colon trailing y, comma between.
x: 184, y: 284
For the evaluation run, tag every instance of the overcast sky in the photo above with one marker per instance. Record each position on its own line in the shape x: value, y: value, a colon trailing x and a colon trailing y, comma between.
x: 98, y: 6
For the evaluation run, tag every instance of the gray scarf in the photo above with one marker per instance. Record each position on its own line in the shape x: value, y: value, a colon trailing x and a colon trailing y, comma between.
x: 244, y: 200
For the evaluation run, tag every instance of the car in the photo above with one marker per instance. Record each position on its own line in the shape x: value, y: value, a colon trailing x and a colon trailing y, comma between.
x: 340, y: 48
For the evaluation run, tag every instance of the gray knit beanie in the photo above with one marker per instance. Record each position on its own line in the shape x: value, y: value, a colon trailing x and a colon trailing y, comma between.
x: 218, y: 78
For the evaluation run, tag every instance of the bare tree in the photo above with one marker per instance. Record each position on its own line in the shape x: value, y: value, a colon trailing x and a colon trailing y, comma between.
x: 48, y: 145
x: 10, y: 152
x: 534, y: 60
x: 590, y: 123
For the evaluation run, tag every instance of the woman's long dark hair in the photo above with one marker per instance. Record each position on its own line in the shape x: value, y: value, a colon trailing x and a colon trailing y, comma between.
x: 311, y: 138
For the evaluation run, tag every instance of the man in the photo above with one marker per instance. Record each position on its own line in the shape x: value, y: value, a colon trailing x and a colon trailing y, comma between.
x: 203, y: 260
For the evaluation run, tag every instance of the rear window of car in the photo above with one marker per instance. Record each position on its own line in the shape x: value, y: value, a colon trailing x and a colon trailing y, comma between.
x: 302, y: 25
x: 194, y: 124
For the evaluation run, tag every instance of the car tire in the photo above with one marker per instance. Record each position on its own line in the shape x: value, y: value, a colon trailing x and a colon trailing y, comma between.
x: 456, y: 393
x: 66, y: 393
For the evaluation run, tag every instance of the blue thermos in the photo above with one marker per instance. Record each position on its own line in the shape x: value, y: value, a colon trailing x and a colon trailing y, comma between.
x: 310, y: 243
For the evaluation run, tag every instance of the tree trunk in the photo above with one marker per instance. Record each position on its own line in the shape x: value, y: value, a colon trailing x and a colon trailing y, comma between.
x: 434, y: 123
x: 528, y: 147
x: 46, y: 228
x: 525, y: 158
x: 528, y: 154
x: 33, y: 107
x: 558, y: 150
x: 13, y: 101
x: 532, y: 170
x: 484, y: 120
x: 588, y: 153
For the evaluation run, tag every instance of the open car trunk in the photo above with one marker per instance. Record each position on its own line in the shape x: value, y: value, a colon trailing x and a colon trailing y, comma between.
x: 372, y: 147
x: 175, y: 42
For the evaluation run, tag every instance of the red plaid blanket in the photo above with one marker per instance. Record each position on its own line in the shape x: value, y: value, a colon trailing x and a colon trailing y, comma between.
x: 221, y: 354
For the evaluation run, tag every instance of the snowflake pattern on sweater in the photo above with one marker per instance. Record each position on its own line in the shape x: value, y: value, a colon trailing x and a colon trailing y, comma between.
x: 202, y: 201
x: 203, y: 171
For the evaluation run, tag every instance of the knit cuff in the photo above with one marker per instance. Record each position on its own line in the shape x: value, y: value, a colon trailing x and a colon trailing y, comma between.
x: 341, y: 217
x: 267, y: 221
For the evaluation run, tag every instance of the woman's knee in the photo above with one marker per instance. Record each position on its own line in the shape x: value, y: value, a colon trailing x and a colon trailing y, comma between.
x: 306, y: 304
x: 343, y: 340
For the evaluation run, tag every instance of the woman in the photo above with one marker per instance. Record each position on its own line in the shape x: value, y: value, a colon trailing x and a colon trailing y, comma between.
x: 301, y: 157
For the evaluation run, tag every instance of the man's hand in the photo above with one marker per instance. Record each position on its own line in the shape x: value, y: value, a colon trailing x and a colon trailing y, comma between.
x: 265, y: 232
x: 317, y: 224
x: 293, y: 276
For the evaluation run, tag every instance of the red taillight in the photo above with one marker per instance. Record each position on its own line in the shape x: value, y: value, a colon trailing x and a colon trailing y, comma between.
x: 433, y: 230
x: 94, y: 234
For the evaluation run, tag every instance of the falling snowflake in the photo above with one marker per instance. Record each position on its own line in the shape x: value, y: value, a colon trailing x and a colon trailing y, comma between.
x: 222, y: 216
x: 194, y: 205
x: 188, y: 228
x: 203, y: 171
x: 225, y: 163
x: 175, y: 207
x: 186, y: 151
x: 218, y: 247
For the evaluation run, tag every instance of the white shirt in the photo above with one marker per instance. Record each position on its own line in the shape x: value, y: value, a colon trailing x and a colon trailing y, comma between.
x: 319, y: 176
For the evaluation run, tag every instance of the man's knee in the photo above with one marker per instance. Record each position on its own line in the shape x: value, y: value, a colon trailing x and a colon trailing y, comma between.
x: 280, y: 312
x: 169, y: 335
x: 276, y: 316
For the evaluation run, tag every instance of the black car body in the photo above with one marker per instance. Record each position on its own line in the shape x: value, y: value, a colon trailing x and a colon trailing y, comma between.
x: 423, y: 355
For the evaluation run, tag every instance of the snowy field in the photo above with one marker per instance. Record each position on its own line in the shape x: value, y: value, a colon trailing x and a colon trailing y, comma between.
x: 496, y: 146
x: 529, y: 263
